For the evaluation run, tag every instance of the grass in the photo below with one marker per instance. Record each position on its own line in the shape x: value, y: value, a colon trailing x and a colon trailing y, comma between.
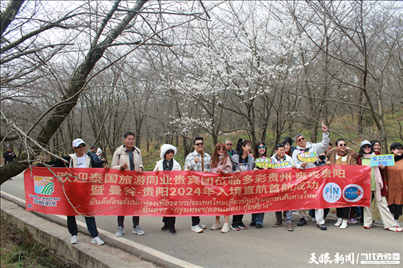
x: 20, y: 249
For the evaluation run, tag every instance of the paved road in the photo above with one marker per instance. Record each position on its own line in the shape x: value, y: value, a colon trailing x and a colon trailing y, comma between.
x: 266, y: 247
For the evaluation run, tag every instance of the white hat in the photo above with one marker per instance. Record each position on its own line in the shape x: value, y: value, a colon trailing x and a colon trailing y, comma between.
x: 99, y: 151
x: 365, y: 142
x: 165, y: 148
x: 77, y: 142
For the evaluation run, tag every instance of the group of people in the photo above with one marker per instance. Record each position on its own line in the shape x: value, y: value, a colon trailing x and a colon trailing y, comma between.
x: 386, y: 182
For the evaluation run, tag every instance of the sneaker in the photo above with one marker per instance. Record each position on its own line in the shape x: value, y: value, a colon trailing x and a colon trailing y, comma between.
x: 165, y: 227
x: 259, y: 225
x: 322, y: 227
x: 97, y: 240
x: 197, y: 229
x: 252, y: 223
x: 242, y: 226
x: 74, y: 239
x: 395, y: 229
x: 234, y: 227
x: 216, y: 226
x: 338, y: 222
x: 313, y: 219
x: 225, y: 228
x: 367, y: 227
x: 119, y: 232
x: 397, y: 223
x: 301, y: 222
x: 201, y: 225
x: 278, y: 223
x: 138, y: 230
x: 290, y: 227
x: 352, y: 221
x: 344, y: 224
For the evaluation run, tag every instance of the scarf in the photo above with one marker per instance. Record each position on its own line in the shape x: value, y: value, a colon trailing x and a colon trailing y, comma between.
x: 398, y: 158
x: 378, y: 178
x: 168, y: 165
x: 340, y: 153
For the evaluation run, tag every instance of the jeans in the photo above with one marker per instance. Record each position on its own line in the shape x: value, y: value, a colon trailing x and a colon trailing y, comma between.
x: 121, y: 219
x: 91, y: 225
x: 259, y: 217
x: 288, y: 215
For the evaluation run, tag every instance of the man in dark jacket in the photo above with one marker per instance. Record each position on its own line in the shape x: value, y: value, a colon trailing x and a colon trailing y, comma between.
x: 9, y: 155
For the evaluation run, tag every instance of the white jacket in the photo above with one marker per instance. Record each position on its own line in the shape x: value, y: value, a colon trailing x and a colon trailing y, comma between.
x: 160, y: 167
x: 318, y: 148
x: 286, y: 158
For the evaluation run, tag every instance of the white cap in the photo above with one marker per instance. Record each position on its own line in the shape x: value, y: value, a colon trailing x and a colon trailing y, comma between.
x: 99, y: 151
x: 77, y: 142
x: 365, y: 142
x: 165, y: 148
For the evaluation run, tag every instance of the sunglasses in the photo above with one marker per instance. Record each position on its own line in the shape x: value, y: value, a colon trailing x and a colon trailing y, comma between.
x: 301, y: 139
x: 170, y: 152
x: 229, y: 143
x: 80, y: 146
x: 220, y: 149
x: 262, y: 147
x: 199, y: 144
x: 366, y: 146
x: 342, y: 144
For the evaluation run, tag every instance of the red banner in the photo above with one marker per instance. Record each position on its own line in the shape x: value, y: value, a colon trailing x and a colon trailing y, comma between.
x: 91, y: 191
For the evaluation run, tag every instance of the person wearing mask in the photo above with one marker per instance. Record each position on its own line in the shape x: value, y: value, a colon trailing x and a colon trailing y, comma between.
x: 394, y: 175
x: 168, y: 163
x: 242, y: 161
x: 128, y: 157
x: 98, y: 160
x: 280, y: 156
x: 80, y: 160
x: 221, y: 163
x: 342, y: 155
x: 307, y: 147
x: 378, y: 188
x: 228, y: 146
x: 198, y: 161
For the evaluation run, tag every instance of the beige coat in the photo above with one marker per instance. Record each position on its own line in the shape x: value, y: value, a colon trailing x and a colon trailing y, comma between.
x: 351, y: 156
x: 394, y: 177
x: 120, y: 156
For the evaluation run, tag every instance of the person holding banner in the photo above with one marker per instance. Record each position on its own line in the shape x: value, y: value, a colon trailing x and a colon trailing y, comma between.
x: 242, y: 161
x: 394, y: 176
x: 280, y: 156
x: 80, y: 160
x: 221, y: 163
x: 198, y: 161
x: 378, y: 188
x: 342, y: 155
x: 259, y: 152
x: 300, y: 160
x: 128, y: 157
x: 168, y: 163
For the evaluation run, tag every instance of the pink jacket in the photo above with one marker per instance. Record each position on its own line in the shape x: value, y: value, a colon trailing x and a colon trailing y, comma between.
x: 226, y: 168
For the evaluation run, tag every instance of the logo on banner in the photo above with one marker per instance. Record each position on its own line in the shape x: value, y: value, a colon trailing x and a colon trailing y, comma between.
x: 353, y: 193
x: 44, y: 185
x: 332, y: 192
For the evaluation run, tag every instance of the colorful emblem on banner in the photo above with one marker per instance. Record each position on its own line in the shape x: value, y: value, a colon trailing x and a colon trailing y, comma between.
x: 384, y: 159
x: 44, y: 185
x: 271, y: 163
x: 308, y: 157
x: 353, y: 193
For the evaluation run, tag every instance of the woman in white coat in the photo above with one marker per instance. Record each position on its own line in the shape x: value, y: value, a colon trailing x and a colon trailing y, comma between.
x: 168, y: 163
